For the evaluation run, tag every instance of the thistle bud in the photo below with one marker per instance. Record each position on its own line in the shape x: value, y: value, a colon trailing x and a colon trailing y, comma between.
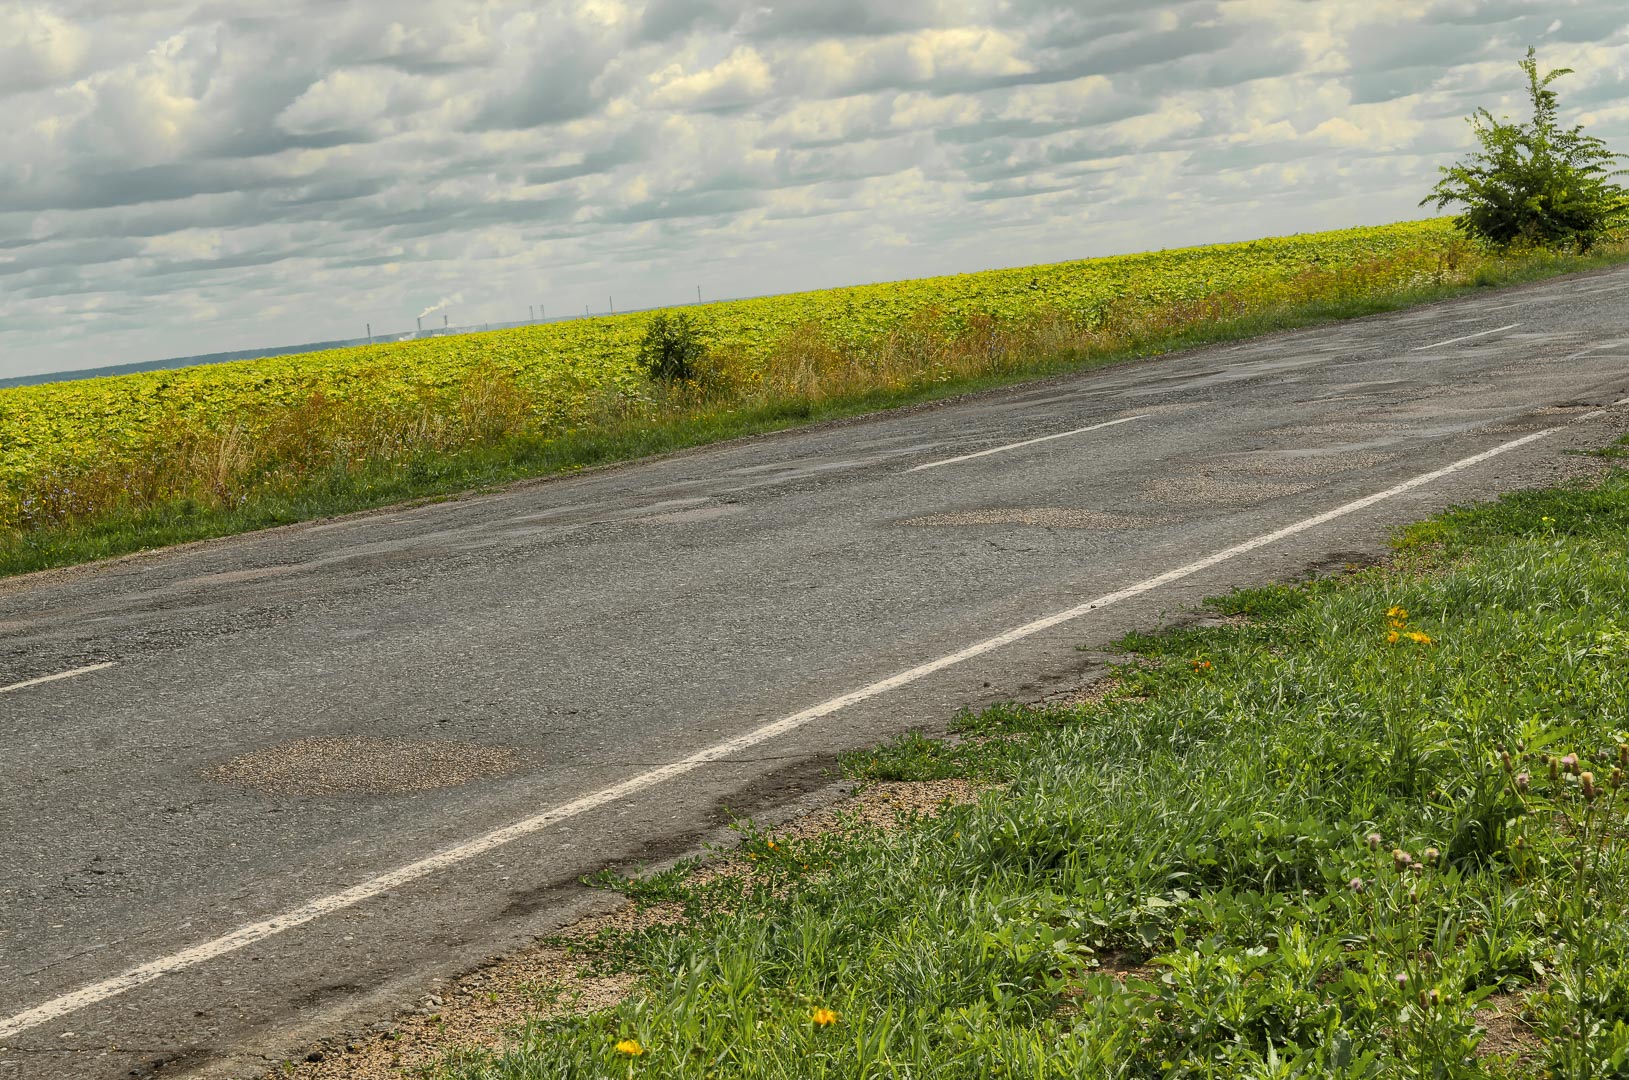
x: 1373, y: 840
x: 1617, y: 779
x: 1402, y: 979
x: 1555, y: 767
x: 1523, y: 781
x: 1570, y: 763
x: 1586, y: 784
x: 1623, y: 755
x: 1414, y: 896
x: 1356, y: 885
x: 1504, y: 759
x: 1431, y: 856
x: 1401, y: 859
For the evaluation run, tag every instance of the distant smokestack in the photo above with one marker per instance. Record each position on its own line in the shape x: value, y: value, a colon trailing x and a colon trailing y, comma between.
x: 421, y: 324
x: 444, y: 322
x: 531, y: 314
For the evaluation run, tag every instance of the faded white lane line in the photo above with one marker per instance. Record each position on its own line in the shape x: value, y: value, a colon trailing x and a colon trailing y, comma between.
x: 26, y: 683
x: 1027, y: 442
x: 1467, y: 337
x: 314, y: 909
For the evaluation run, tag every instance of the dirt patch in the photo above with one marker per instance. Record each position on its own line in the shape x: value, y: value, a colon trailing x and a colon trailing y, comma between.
x: 1506, y: 1033
x: 359, y: 765
x: 1043, y: 517
x: 486, y: 1009
x: 885, y: 805
x: 1089, y: 694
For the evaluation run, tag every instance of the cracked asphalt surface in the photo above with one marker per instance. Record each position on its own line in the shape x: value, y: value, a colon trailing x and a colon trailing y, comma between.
x: 582, y: 630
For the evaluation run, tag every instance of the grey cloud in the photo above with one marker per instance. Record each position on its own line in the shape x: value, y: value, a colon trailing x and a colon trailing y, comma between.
x: 664, y: 20
x: 556, y: 86
x: 154, y: 183
x: 686, y: 204
x: 847, y: 18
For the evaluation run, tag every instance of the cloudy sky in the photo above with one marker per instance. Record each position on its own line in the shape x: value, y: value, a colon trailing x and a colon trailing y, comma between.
x: 180, y: 178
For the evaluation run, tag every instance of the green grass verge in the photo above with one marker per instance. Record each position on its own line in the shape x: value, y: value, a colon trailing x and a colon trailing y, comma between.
x: 1309, y: 845
x: 440, y: 475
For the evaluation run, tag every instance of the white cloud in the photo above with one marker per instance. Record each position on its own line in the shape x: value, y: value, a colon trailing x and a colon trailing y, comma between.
x: 38, y: 48
x: 741, y: 78
x: 354, y: 99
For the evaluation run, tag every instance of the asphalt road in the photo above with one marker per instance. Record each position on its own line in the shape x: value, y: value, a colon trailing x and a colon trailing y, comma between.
x: 532, y: 647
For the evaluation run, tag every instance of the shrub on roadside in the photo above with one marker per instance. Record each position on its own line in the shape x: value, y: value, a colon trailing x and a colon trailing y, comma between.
x: 1536, y: 184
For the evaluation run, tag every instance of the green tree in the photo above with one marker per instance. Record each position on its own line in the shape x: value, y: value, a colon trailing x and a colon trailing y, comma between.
x: 1536, y: 183
x: 671, y: 350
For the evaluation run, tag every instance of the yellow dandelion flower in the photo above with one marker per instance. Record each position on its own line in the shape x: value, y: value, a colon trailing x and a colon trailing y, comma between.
x: 1395, y: 612
x: 1416, y: 636
x: 1393, y: 637
x: 630, y: 1047
x: 824, y: 1017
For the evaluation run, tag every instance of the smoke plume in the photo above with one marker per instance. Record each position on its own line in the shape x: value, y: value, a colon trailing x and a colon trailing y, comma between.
x: 445, y: 301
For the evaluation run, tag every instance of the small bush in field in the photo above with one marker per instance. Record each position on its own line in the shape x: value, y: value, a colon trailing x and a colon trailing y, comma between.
x: 671, y: 350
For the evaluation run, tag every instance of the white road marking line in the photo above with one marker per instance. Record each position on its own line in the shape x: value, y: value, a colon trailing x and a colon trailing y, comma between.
x: 1467, y: 337
x: 325, y: 905
x: 26, y: 683
x: 1027, y: 442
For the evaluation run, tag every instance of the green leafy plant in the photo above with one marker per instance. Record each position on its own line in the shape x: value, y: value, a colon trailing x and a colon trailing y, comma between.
x: 671, y: 349
x: 1536, y: 183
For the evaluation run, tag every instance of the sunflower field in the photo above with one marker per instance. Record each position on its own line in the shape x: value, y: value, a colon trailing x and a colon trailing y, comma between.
x: 71, y: 451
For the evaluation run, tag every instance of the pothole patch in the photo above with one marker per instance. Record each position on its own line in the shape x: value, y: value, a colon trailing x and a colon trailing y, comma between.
x: 327, y: 765
x: 1198, y: 489
x: 1299, y: 463
x: 1339, y: 429
x: 685, y: 517
x: 236, y: 577
x: 1042, y: 517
